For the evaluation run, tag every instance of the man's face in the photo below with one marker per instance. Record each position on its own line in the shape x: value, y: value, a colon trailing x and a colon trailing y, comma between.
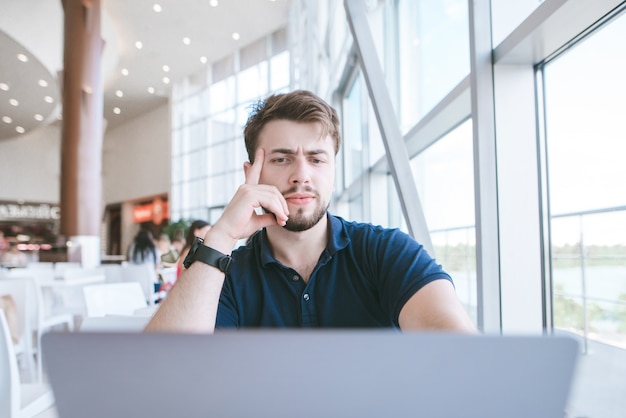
x: 301, y: 164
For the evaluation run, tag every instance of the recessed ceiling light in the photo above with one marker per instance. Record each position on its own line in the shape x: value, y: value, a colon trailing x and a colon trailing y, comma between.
x: 213, y: 3
x: 4, y: 86
x: 7, y: 119
x: 124, y: 71
x: 19, y: 130
x: 22, y: 57
x: 138, y: 45
x: 203, y: 60
x: 43, y: 83
x: 166, y: 68
x: 38, y: 117
x: 14, y: 102
x: 186, y: 40
x: 157, y: 8
x: 119, y: 93
x: 166, y: 80
x: 117, y: 110
x: 151, y: 90
x: 48, y: 99
x: 236, y: 36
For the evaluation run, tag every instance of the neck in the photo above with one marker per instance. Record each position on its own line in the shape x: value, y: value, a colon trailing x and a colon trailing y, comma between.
x: 293, y: 248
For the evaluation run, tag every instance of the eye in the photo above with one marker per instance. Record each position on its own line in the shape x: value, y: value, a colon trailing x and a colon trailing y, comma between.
x: 279, y: 160
x: 317, y: 161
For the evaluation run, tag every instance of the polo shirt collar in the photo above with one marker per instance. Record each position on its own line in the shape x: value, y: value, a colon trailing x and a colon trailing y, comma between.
x: 337, y: 240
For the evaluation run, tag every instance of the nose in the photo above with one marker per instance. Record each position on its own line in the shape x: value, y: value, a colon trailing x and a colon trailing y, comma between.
x: 300, y: 173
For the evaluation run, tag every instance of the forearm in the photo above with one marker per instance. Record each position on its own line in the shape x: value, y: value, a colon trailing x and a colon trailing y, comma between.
x: 191, y: 305
x: 436, y: 307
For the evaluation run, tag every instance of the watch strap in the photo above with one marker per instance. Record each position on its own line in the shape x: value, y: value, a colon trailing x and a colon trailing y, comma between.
x: 208, y: 255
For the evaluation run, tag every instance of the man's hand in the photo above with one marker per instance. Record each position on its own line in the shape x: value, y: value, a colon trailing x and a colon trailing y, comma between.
x: 240, y: 218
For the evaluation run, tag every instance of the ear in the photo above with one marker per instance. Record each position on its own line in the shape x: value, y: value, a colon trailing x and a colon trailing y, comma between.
x: 246, y: 167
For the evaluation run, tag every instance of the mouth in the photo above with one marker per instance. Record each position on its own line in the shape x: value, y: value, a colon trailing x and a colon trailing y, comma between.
x: 299, y: 199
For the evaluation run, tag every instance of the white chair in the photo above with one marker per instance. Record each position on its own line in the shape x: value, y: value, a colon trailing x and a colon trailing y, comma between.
x: 73, y: 273
x: 45, y: 265
x: 61, y: 266
x: 41, y: 320
x: 145, y: 275
x: 169, y: 274
x: 113, y: 299
x: 19, y: 290
x: 23, y: 400
x: 46, y: 323
x: 114, y: 323
x: 68, y: 298
x: 112, y: 273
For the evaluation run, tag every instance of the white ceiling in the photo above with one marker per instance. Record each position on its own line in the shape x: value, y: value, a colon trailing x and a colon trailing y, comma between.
x: 34, y: 28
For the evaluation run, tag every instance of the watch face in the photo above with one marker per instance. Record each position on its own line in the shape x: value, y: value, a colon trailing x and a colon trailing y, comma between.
x: 192, y: 253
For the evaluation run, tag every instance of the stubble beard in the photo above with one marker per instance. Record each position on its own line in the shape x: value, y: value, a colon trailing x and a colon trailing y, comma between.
x: 298, y: 221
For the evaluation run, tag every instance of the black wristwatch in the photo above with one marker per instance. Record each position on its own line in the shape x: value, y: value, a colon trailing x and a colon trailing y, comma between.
x: 200, y: 252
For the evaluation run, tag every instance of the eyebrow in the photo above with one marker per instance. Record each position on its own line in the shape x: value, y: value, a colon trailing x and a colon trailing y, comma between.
x: 289, y: 151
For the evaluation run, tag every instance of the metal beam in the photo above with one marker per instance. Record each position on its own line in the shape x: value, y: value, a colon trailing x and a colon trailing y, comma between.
x: 397, y: 154
x: 485, y: 169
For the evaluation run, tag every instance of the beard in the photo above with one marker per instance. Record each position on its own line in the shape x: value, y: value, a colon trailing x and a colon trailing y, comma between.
x: 298, y: 221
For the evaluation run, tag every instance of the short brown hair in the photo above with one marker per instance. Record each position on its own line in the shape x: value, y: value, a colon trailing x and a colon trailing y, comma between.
x: 299, y: 106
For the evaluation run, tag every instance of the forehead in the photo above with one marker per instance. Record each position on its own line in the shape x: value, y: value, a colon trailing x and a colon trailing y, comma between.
x: 290, y: 134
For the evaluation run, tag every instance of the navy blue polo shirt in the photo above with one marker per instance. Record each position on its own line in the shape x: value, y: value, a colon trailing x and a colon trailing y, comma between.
x: 362, y: 279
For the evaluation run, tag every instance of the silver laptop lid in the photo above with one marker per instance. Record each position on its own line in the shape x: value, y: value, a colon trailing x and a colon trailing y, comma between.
x: 309, y: 374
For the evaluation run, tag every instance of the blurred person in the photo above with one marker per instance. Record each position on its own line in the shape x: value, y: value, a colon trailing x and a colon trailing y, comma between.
x: 4, y: 243
x: 178, y: 243
x: 168, y: 254
x: 143, y: 250
x: 13, y: 257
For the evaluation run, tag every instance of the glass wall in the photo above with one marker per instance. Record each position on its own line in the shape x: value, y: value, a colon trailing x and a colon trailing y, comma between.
x: 550, y: 119
x: 585, y: 99
x: 433, y: 54
x: 444, y: 177
x: 209, y: 113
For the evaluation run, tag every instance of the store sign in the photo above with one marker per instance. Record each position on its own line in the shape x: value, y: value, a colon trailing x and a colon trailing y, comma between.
x: 154, y: 212
x: 29, y: 212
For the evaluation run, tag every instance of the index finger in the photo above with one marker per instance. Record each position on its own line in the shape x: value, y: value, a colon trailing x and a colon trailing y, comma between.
x: 254, y: 172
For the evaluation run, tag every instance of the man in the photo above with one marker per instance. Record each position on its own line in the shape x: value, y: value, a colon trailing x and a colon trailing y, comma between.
x: 304, y: 267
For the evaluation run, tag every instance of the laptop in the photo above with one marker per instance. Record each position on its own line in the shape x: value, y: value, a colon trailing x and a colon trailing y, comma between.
x: 312, y: 373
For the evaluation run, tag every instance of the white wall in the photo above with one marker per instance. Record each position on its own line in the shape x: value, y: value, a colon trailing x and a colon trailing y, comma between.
x: 30, y: 166
x: 135, y: 163
x: 136, y: 158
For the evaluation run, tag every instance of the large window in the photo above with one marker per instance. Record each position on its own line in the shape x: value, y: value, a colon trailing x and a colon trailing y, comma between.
x: 444, y: 177
x: 433, y: 54
x: 585, y: 100
x: 520, y: 180
x: 207, y: 141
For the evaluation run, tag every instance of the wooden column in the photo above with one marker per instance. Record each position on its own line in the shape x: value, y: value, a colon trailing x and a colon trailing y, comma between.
x: 82, y: 128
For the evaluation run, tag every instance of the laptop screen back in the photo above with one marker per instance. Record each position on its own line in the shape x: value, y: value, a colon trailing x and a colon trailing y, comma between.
x: 309, y: 374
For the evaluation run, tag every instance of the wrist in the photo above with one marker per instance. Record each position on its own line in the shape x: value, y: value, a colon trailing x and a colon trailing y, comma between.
x: 207, y: 255
x: 218, y: 240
